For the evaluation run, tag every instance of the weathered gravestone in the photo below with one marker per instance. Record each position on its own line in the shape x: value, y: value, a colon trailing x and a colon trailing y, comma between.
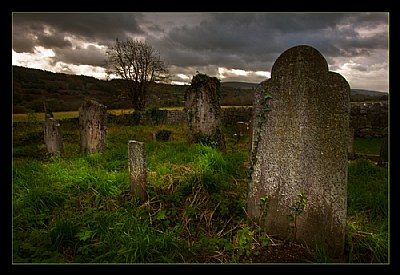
x: 242, y: 129
x: 53, y: 137
x: 52, y: 133
x: 47, y: 112
x: 138, y: 168
x: 93, y: 127
x: 204, y: 111
x: 299, y: 151
x: 162, y: 135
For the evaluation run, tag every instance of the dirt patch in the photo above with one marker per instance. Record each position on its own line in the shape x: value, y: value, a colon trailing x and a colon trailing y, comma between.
x: 280, y: 252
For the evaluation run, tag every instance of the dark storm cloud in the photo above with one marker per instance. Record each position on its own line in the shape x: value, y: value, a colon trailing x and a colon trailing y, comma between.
x: 192, y: 41
x: 82, y: 56
x: 50, y: 29
x: 219, y: 38
x: 251, y: 40
x: 53, y: 41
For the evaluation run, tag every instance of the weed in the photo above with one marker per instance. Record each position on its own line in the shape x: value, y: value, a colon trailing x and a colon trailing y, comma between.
x: 321, y: 254
x: 264, y: 206
x: 297, y: 208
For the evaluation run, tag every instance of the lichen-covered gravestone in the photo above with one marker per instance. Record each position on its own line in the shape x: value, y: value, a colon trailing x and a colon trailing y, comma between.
x: 299, y: 160
x: 93, y: 127
x: 53, y: 137
x: 204, y: 111
x: 137, y: 168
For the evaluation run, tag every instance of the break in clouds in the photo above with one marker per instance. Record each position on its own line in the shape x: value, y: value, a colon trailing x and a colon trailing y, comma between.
x: 230, y: 46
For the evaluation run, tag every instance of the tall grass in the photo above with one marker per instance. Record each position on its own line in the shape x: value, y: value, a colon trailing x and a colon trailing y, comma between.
x: 78, y: 208
x: 368, y: 210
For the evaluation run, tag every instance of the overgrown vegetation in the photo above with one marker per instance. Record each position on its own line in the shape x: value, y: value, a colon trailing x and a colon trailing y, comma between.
x: 368, y: 212
x: 78, y: 208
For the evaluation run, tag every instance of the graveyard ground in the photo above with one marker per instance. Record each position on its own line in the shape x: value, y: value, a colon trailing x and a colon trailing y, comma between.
x: 281, y: 252
x: 77, y: 208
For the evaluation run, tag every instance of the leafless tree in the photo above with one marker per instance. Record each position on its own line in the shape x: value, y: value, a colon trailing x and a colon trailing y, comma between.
x: 138, y: 64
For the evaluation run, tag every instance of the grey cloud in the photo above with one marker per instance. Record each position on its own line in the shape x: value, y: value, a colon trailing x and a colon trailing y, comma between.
x: 361, y: 68
x: 191, y: 71
x: 82, y: 56
x: 23, y: 44
x: 95, y: 27
x: 206, y: 41
x: 247, y: 38
x: 54, y: 41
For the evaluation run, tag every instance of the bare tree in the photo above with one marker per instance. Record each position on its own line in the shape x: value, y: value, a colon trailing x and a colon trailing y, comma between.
x: 139, y: 64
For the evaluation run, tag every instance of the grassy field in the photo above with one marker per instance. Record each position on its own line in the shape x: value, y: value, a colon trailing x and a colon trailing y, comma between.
x: 78, y: 208
x: 60, y: 115
x: 73, y: 114
x: 367, y: 145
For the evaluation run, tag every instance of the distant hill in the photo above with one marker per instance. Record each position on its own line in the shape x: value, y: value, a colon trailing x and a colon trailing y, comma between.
x: 64, y: 92
x: 367, y: 95
x: 356, y: 95
x: 239, y: 85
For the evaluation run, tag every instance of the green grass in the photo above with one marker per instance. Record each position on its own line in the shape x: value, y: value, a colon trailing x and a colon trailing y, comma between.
x: 38, y: 116
x: 368, y: 145
x: 33, y: 116
x: 78, y: 208
x: 368, y: 211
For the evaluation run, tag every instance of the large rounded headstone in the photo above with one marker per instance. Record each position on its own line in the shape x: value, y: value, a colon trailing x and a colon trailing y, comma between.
x: 299, y: 151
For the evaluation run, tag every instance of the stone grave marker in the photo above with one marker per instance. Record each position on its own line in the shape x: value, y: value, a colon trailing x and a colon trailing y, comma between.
x: 204, y: 111
x: 47, y: 112
x: 137, y: 168
x: 53, y: 137
x: 93, y: 127
x: 298, y: 189
x: 162, y: 135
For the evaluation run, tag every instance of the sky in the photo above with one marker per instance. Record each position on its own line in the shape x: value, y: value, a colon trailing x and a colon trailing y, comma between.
x: 230, y: 46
